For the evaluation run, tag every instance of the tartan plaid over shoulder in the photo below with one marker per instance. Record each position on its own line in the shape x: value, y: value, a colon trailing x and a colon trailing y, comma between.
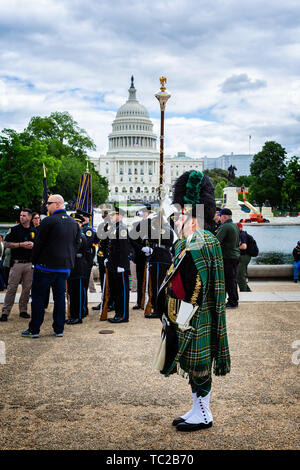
x: 206, y: 346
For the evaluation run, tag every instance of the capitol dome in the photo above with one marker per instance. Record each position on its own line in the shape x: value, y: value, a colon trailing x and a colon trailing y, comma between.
x: 132, y: 129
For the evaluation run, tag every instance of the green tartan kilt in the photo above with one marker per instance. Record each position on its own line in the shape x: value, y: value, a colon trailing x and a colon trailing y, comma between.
x: 194, y: 346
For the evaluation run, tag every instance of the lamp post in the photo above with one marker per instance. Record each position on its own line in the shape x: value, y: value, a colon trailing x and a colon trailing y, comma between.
x: 162, y: 97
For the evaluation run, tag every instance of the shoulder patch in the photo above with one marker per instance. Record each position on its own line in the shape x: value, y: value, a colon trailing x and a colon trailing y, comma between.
x: 89, y: 233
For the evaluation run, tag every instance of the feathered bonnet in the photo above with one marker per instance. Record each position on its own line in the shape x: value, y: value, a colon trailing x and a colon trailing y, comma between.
x: 192, y: 188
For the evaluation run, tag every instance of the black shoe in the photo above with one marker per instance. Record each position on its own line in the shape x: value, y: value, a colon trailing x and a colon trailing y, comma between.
x: 24, y: 315
x: 177, y: 421
x: 117, y: 320
x: 3, y: 317
x: 73, y: 321
x: 232, y: 306
x: 186, y: 427
x: 296, y: 280
x: 152, y: 315
x: 136, y: 307
x: 97, y: 307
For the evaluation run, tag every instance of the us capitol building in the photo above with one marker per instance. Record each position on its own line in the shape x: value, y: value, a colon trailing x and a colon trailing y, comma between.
x: 131, y: 164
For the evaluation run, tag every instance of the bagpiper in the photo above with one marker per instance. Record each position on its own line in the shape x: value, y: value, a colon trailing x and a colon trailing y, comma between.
x: 191, y: 301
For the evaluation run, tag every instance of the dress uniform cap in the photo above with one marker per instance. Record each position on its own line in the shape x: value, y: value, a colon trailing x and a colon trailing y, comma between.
x: 78, y: 217
x: 85, y: 214
x: 118, y: 210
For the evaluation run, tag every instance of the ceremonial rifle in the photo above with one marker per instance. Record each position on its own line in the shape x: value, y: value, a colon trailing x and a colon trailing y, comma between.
x: 105, y: 297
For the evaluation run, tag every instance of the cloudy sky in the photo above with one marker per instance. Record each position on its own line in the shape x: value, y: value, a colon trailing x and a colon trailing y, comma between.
x: 232, y: 68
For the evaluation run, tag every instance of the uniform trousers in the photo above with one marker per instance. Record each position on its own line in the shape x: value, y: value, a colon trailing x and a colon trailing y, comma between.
x: 140, y: 270
x: 119, y: 293
x: 158, y: 272
x: 19, y: 272
x: 77, y: 292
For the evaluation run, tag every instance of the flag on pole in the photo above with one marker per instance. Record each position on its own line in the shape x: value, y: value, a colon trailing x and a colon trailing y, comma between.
x: 84, y: 203
x: 44, y: 210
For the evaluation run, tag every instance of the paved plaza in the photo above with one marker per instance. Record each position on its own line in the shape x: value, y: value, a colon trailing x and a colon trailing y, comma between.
x: 96, y: 391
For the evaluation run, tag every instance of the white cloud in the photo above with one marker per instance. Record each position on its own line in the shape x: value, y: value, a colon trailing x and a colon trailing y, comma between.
x: 232, y: 68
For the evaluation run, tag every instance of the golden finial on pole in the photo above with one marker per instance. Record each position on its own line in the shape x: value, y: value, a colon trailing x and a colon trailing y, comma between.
x: 162, y: 80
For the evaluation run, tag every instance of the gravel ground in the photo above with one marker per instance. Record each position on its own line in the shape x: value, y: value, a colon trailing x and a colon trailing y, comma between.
x: 97, y: 391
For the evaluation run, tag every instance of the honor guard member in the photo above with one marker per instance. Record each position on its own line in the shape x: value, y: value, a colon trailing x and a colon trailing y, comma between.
x: 77, y: 285
x: 157, y: 247
x: 118, y: 266
x: 139, y: 257
x: 92, y: 240
x: 20, y: 240
x: 102, y: 253
x: 192, y: 301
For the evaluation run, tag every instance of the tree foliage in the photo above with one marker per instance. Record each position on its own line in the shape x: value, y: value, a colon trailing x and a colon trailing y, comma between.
x: 21, y: 170
x: 268, y: 171
x: 68, y: 179
x: 61, y: 134
x: 291, y: 184
x: 216, y: 175
x: 59, y: 143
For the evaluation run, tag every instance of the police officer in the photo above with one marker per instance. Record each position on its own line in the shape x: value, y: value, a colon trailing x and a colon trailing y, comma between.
x: 158, y: 238
x: 20, y: 240
x: 92, y: 240
x: 139, y: 256
x: 118, y: 266
x: 102, y: 253
x: 77, y: 281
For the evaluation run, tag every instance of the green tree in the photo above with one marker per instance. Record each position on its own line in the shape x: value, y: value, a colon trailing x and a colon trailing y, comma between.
x: 21, y: 170
x: 219, y: 188
x: 61, y: 134
x: 291, y: 184
x: 268, y: 170
x: 68, y: 179
x: 217, y: 175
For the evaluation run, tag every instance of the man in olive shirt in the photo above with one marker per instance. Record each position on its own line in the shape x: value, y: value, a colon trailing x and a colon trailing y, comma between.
x: 229, y: 238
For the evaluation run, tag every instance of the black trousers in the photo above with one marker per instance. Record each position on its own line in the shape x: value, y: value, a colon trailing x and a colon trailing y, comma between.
x: 140, y: 269
x: 78, y: 297
x: 230, y: 272
x: 158, y: 272
x: 101, y: 273
x: 119, y: 293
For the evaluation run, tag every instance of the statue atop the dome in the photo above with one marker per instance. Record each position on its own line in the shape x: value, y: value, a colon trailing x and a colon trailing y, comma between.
x: 132, y: 80
x: 162, y: 82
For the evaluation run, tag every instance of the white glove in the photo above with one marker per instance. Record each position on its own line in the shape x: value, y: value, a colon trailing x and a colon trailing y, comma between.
x: 120, y: 270
x: 105, y: 262
x: 147, y: 250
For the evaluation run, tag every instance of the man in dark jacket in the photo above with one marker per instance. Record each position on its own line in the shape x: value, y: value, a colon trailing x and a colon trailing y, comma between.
x: 53, y: 257
x: 229, y: 238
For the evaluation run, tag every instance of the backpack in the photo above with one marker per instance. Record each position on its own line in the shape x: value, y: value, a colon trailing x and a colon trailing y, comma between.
x: 252, y: 248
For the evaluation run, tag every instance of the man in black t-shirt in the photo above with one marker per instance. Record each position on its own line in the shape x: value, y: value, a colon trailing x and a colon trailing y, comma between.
x: 20, y: 239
